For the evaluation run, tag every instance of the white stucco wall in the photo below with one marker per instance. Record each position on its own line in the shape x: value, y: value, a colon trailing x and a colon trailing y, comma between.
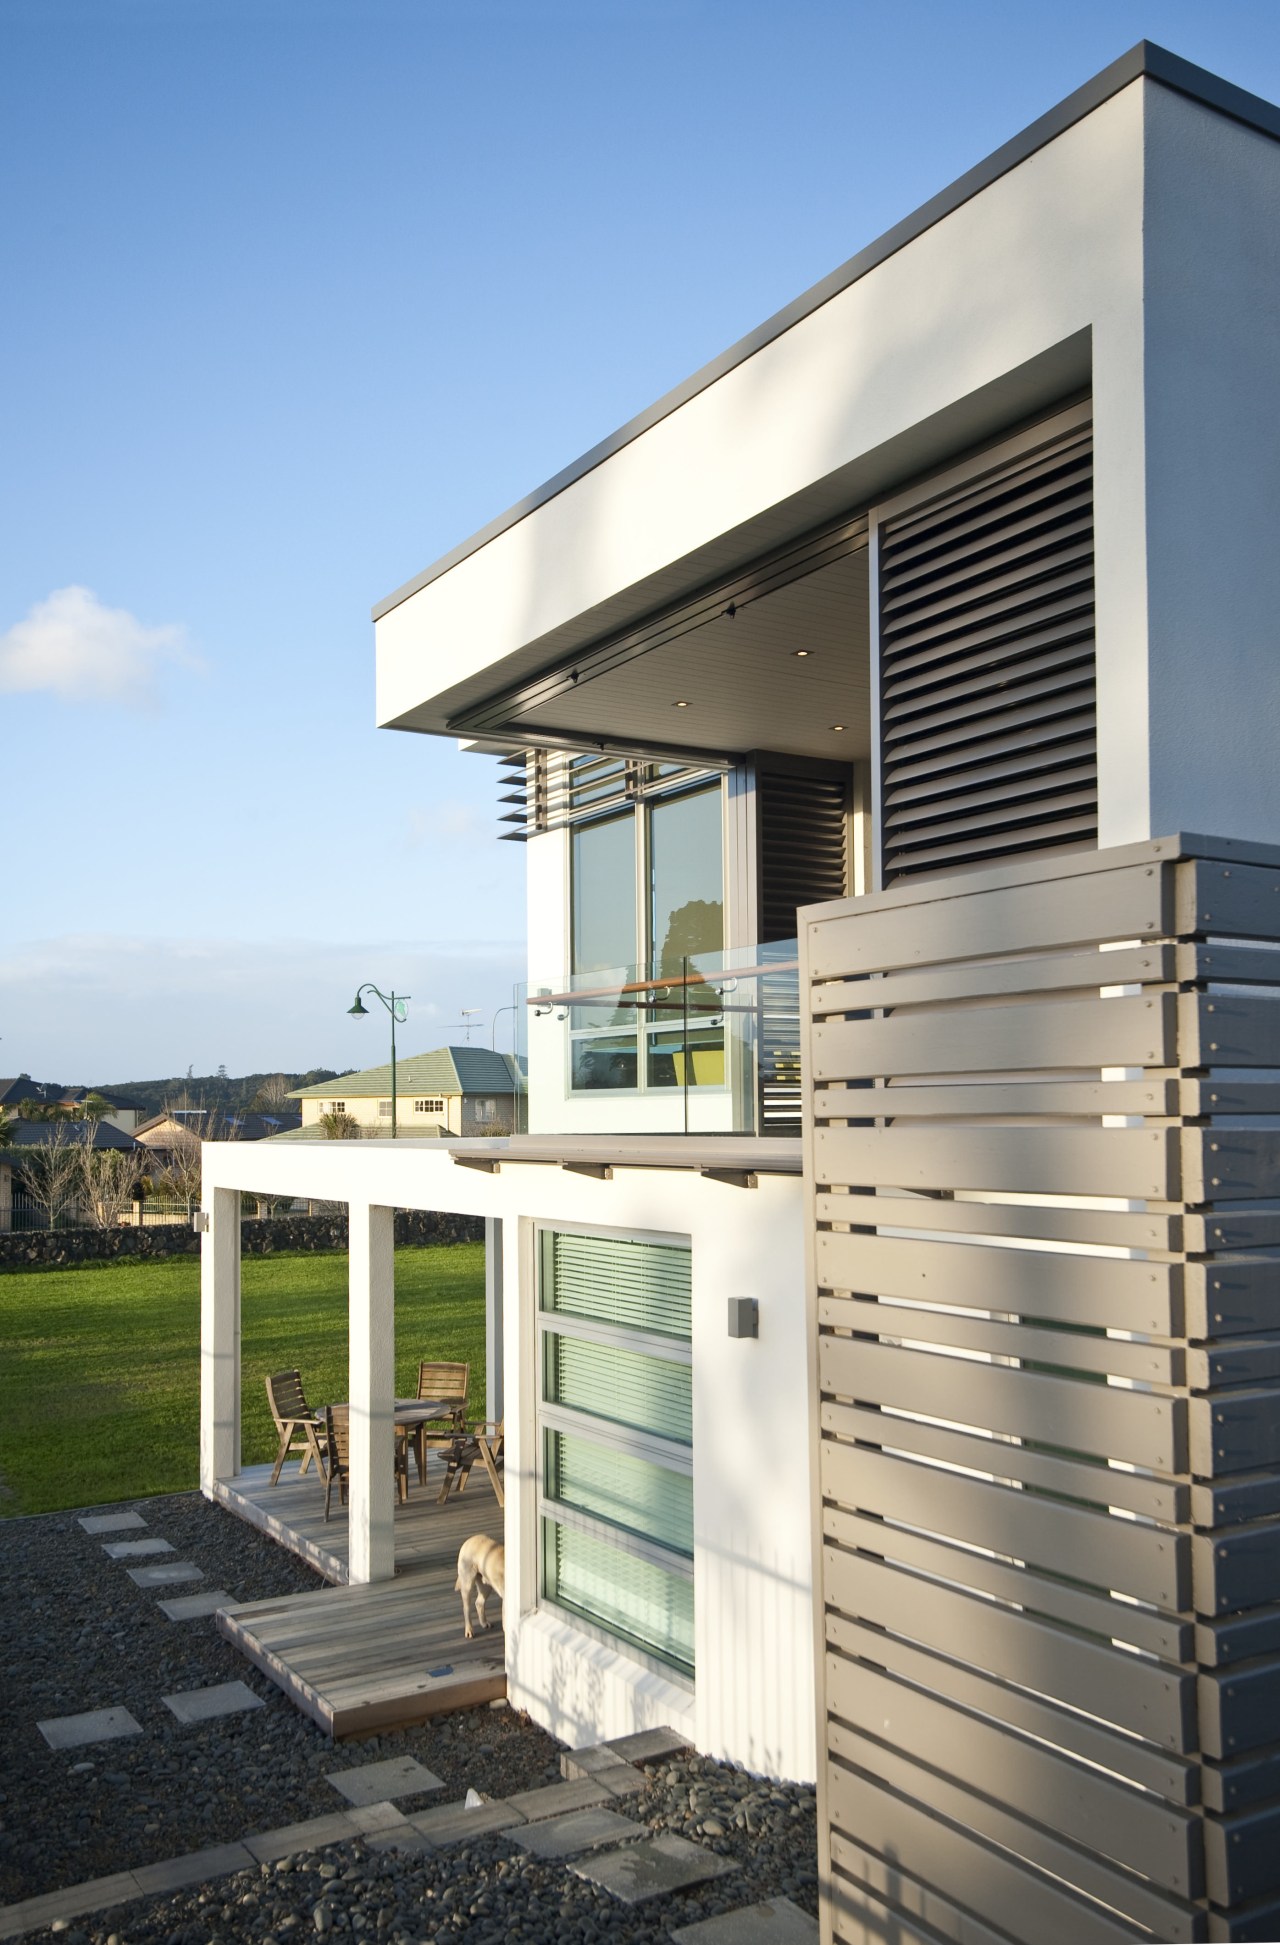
x: 753, y: 1700
x: 1051, y: 249
x: 1212, y: 394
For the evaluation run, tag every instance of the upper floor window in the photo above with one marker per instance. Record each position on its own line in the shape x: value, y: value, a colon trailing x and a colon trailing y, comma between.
x: 647, y: 896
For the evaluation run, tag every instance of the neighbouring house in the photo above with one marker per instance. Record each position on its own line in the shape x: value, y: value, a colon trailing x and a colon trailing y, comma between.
x: 121, y: 1112
x: 883, y: 1300
x: 448, y: 1091
x: 162, y: 1132
x: 21, y: 1204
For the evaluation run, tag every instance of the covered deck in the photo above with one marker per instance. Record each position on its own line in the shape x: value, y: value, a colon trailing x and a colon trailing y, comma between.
x: 363, y: 1658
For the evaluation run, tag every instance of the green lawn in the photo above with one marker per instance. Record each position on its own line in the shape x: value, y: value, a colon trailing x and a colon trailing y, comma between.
x: 99, y: 1365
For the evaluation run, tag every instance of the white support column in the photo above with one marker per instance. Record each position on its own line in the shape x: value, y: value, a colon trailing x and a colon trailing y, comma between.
x: 220, y: 1340
x: 371, y: 1354
x: 493, y: 1401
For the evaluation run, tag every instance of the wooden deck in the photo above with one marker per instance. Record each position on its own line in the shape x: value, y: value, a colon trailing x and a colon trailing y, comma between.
x: 359, y: 1660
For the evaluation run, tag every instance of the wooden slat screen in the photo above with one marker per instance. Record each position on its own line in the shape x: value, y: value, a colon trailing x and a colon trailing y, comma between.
x: 1046, y: 1362
x: 987, y: 726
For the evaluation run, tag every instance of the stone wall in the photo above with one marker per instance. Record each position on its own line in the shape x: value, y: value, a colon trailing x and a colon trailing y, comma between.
x: 259, y: 1236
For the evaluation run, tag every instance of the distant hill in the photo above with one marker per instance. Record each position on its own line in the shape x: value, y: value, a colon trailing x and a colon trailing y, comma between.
x: 227, y: 1093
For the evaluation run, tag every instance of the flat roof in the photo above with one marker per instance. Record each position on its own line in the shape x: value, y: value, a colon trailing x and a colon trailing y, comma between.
x: 1145, y: 59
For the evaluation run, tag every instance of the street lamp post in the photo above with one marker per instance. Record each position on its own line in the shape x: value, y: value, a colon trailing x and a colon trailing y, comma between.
x: 395, y: 1005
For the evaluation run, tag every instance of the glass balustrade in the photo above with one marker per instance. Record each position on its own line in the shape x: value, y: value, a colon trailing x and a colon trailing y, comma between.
x: 708, y: 1044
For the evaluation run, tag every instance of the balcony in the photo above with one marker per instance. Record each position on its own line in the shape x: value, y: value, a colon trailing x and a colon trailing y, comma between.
x: 708, y: 1045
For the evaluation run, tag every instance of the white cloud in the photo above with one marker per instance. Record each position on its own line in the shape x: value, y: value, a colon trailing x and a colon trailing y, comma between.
x: 72, y: 646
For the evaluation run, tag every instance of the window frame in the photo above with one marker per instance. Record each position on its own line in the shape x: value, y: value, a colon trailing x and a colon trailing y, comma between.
x: 645, y: 795
x: 628, y: 1441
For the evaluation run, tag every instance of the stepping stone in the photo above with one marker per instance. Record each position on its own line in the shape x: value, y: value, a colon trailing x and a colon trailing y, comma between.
x: 405, y: 1839
x: 557, y: 1799
x: 775, y: 1922
x: 112, y: 1522
x: 375, y: 1819
x: 642, y: 1871
x: 204, y: 1704
x: 134, y: 1549
x: 380, y: 1782
x: 602, y: 1766
x: 172, y: 1574
x: 192, y: 1607
x: 176, y: 1873
x: 453, y: 1823
x: 580, y: 1830
x: 291, y: 1838
x: 649, y: 1746
x: 98, y: 1725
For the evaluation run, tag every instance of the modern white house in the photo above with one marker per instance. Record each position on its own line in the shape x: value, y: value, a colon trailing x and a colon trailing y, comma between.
x: 846, y: 699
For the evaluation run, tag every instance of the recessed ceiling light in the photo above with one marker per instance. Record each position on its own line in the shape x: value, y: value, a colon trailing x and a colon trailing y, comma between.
x: 837, y: 725
x: 679, y: 705
x: 800, y: 653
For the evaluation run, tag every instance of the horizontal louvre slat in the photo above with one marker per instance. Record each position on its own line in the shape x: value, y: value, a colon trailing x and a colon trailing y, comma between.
x: 1036, y: 479
x: 987, y: 668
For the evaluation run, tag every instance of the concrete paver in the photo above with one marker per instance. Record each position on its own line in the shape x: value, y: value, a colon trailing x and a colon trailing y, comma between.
x: 775, y: 1922
x: 204, y: 1704
x: 135, y: 1549
x: 638, y: 1872
x: 334, y: 1828
x: 380, y: 1782
x: 176, y: 1873
x: 168, y: 1574
x: 95, y: 1725
x: 452, y: 1823
x: 193, y: 1607
x: 556, y: 1799
x: 372, y: 1819
x: 580, y: 1830
x: 96, y: 1895
x: 649, y: 1745
x: 112, y: 1522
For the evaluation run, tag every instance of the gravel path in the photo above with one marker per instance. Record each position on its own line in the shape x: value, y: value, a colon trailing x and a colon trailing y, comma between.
x: 80, y: 1635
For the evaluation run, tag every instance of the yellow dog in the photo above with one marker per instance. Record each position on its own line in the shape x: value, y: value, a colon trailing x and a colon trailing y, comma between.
x: 480, y: 1567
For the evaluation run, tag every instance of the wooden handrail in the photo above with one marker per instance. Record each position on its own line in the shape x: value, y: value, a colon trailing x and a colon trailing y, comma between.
x: 583, y: 994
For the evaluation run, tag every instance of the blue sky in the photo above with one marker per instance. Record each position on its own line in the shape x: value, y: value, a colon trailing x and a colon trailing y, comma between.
x: 301, y: 292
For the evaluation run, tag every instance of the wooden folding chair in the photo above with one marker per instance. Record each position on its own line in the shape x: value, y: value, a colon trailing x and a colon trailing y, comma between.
x: 449, y: 1383
x: 293, y: 1415
x: 337, y: 1424
x: 482, y: 1441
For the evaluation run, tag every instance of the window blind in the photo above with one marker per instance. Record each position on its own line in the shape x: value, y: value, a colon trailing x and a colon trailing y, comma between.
x: 652, y: 1394
x: 620, y: 1591
x: 644, y: 1286
x: 629, y: 1492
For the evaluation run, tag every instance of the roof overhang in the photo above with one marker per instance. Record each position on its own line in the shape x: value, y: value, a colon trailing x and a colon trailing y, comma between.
x: 566, y: 621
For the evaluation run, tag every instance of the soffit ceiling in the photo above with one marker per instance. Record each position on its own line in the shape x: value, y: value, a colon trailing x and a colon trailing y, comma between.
x: 744, y: 684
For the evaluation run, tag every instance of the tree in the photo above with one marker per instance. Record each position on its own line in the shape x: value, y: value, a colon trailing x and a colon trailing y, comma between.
x: 179, y: 1174
x: 272, y: 1096
x: 340, y: 1127
x: 108, y: 1181
x: 51, y: 1171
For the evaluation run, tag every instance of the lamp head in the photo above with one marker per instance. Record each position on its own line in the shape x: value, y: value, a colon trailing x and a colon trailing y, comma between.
x: 359, y: 1010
